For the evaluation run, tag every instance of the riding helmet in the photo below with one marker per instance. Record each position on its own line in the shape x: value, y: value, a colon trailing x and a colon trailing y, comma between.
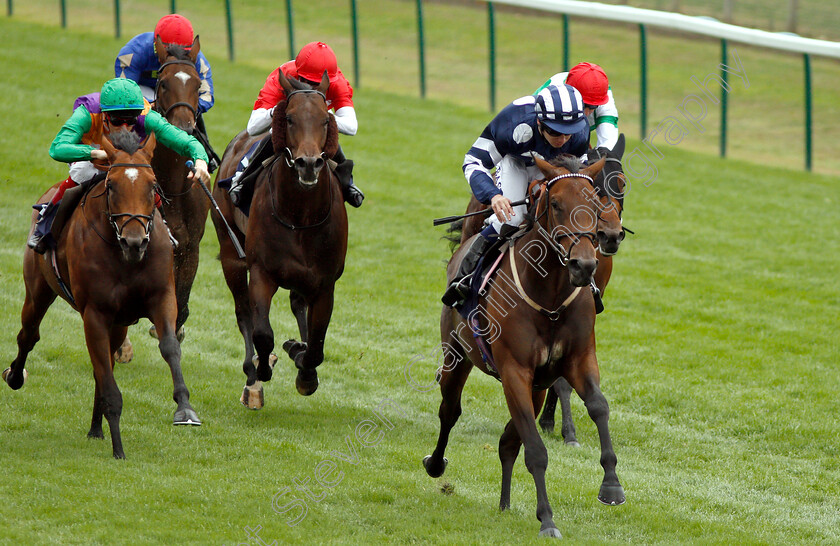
x: 591, y: 80
x: 121, y: 94
x: 175, y: 30
x: 313, y: 59
x: 560, y: 107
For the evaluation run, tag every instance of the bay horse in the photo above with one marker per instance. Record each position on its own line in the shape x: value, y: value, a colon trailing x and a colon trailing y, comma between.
x: 611, y: 187
x: 114, y: 260
x: 184, y: 204
x: 295, y: 237
x: 528, y: 346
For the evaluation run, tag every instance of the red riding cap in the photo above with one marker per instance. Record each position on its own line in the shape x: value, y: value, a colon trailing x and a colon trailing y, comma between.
x: 313, y: 59
x: 175, y: 29
x: 591, y: 80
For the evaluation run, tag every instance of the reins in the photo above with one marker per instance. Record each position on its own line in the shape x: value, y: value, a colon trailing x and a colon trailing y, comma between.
x: 147, y: 227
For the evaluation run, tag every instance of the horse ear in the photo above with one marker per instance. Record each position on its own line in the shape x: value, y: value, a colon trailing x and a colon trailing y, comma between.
x: 149, y: 146
x: 331, y: 145
x: 547, y: 168
x: 284, y: 83
x: 160, y: 50
x: 618, y: 149
x: 325, y: 83
x: 593, y: 170
x: 194, y: 50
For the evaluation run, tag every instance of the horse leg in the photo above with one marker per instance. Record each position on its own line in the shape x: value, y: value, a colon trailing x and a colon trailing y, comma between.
x: 107, y: 392
x: 298, y: 304
x: 261, y: 289
x: 163, y: 317
x: 39, y: 296
x: 563, y: 392
x: 317, y: 321
x: 186, y: 266
x: 517, y: 383
x: 125, y: 352
x: 117, y: 333
x: 509, y: 444
x: 587, y: 385
x: 452, y: 382
x: 547, y: 417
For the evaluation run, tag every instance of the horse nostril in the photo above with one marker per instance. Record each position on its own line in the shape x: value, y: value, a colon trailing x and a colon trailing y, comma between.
x: 319, y: 164
x: 300, y: 163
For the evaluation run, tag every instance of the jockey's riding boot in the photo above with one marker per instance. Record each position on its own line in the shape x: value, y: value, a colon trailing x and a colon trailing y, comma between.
x: 200, y: 133
x: 352, y: 194
x: 245, y: 180
x: 459, y: 288
x: 41, y: 234
x: 596, y: 295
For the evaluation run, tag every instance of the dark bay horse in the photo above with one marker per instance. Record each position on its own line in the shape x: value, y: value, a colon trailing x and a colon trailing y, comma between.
x: 611, y: 187
x: 540, y: 295
x: 184, y: 204
x: 114, y: 259
x: 295, y: 237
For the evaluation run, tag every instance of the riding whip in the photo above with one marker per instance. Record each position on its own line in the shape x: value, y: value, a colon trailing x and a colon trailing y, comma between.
x: 239, y: 251
x: 485, y: 212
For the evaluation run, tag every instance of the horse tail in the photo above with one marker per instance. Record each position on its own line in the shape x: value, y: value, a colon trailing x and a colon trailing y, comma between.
x: 453, y: 234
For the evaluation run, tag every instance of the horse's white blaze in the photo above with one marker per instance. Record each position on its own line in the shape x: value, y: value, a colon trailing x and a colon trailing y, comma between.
x: 183, y: 76
x: 132, y: 174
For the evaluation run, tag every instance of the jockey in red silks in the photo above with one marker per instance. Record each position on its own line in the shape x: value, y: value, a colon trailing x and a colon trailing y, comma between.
x: 119, y: 106
x: 308, y: 67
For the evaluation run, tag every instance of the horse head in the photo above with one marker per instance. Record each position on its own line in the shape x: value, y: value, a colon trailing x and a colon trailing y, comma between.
x: 304, y: 131
x: 130, y: 191
x: 568, y: 211
x: 178, y: 84
x: 610, y: 185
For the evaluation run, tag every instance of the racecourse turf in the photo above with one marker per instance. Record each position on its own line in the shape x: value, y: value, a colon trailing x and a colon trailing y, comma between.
x: 718, y: 352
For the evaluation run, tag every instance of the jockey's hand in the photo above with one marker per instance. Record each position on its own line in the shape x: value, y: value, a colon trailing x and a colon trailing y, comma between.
x: 98, y: 154
x: 501, y: 206
x: 200, y: 171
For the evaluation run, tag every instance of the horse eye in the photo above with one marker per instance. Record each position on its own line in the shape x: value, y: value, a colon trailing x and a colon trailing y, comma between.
x: 555, y: 206
x: 289, y: 120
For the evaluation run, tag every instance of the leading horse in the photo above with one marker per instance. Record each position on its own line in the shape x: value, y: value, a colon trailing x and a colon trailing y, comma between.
x: 113, y: 264
x: 295, y: 237
x: 534, y: 323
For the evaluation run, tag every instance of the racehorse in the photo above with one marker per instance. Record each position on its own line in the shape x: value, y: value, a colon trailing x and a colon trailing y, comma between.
x: 611, y: 187
x: 295, y: 237
x: 528, y: 346
x: 184, y: 204
x: 114, y: 264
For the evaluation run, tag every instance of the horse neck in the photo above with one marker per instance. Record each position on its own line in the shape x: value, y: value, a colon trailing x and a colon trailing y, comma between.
x: 170, y: 170
x: 545, y: 280
x: 298, y: 205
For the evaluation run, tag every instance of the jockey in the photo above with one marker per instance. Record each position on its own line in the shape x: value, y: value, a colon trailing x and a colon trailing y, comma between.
x: 547, y: 124
x: 119, y: 106
x: 138, y: 61
x: 598, y: 104
x: 309, y: 66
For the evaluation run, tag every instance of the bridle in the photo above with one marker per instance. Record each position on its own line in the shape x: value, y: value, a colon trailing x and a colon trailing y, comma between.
x: 112, y: 218
x: 165, y: 111
x: 288, y: 157
x: 555, y: 240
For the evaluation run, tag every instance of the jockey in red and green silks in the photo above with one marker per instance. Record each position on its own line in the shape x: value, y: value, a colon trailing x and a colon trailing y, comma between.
x: 119, y: 106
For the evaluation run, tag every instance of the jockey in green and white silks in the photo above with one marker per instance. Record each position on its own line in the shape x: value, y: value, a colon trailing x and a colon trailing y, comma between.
x: 598, y: 101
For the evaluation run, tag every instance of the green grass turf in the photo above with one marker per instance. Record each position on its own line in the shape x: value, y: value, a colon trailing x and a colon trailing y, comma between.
x: 718, y: 354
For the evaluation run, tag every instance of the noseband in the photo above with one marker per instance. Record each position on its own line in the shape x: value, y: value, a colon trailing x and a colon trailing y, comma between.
x: 555, y: 241
x: 112, y: 218
x: 165, y: 111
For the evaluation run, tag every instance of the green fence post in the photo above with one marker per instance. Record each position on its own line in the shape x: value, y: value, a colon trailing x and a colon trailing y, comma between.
x: 723, y: 99
x: 355, y: 27
x: 117, y: 18
x: 643, y: 78
x: 421, y: 48
x: 808, y: 104
x: 229, y: 16
x: 491, y: 31
x: 9, y: 8
x: 291, y: 25
x: 172, y: 8
x: 565, y: 43
x: 63, y: 9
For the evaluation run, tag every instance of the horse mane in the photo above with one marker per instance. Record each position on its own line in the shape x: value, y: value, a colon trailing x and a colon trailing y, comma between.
x: 566, y: 161
x: 127, y: 141
x: 278, y: 126
x: 177, y: 51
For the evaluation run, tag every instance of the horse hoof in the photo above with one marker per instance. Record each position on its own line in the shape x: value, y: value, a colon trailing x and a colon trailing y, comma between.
x: 551, y: 532
x: 294, y: 347
x: 186, y: 416
x: 96, y: 434
x: 547, y: 428
x: 611, y: 495
x: 252, y: 397
x: 434, y: 471
x: 180, y: 334
x: 265, y: 376
x: 125, y: 353
x: 572, y: 443
x: 12, y: 381
x: 306, y: 386
x: 153, y: 332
